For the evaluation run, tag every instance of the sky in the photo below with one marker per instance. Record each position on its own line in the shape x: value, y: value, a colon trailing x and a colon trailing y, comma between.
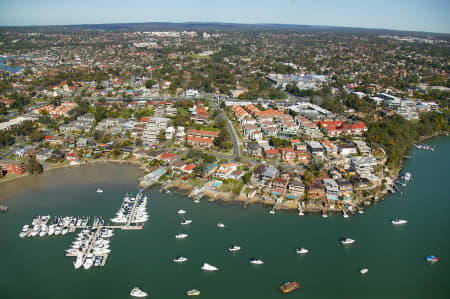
x: 414, y: 15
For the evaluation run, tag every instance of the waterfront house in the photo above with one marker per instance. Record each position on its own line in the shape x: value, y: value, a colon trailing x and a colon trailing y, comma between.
x: 332, y: 189
x: 188, y: 169
x: 279, y: 185
x: 345, y: 187
x: 296, y: 187
x: 177, y: 166
x: 225, y: 170
x: 210, y: 169
x: 268, y: 175
x: 316, y: 191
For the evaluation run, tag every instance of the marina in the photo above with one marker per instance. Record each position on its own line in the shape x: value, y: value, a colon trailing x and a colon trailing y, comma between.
x: 91, y: 246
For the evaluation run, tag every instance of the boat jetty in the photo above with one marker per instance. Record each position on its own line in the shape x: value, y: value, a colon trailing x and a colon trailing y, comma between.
x: 91, y: 244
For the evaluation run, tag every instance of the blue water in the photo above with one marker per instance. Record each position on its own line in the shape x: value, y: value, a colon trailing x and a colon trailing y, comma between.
x: 9, y: 68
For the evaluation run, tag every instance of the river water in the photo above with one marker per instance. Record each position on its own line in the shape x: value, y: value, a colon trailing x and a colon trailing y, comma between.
x: 37, y: 268
x: 11, y: 69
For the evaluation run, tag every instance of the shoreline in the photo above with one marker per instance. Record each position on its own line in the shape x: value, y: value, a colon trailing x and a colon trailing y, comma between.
x: 61, y: 166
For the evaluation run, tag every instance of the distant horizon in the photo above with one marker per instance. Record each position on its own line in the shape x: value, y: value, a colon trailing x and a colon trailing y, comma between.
x: 431, y: 16
x: 221, y: 22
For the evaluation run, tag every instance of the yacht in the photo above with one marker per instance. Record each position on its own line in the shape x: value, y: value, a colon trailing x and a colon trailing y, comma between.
x: 256, y: 262
x: 35, y: 230
x: 221, y: 225
x: 44, y: 230
x: 58, y: 230
x: 64, y: 231
x: 208, y: 267
x: 234, y: 248
x: 72, y: 251
x: 432, y: 258
x: 181, y: 236
x: 186, y: 222
x: 363, y: 270
x: 25, y: 231
x: 302, y: 251
x: 180, y: 259
x: 51, y: 229
x: 347, y: 241
x: 136, y: 292
x: 79, y: 261
x: 181, y: 211
x: 99, y: 190
x: 193, y: 292
x: 399, y: 221
x: 88, y: 262
x: 36, y: 220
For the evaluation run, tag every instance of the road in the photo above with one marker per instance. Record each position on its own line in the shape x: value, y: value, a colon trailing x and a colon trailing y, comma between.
x: 234, y: 136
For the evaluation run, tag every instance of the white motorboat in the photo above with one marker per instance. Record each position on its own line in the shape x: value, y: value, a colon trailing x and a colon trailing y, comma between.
x: 197, y: 201
x: 221, y: 225
x: 363, y: 270
x: 208, y: 267
x: 256, y: 262
x: 234, y: 248
x: 89, y: 261
x: 272, y: 212
x: 35, y: 231
x: 79, y: 261
x: 136, y: 292
x: 302, y: 251
x: 181, y: 236
x: 99, y: 190
x: 36, y: 220
x: 181, y: 211
x: 25, y: 231
x: 408, y: 176
x: 43, y: 231
x: 186, y: 222
x: 193, y: 292
x: 64, y: 231
x: 51, y: 229
x: 347, y: 241
x: 58, y: 230
x: 399, y: 221
x: 180, y: 259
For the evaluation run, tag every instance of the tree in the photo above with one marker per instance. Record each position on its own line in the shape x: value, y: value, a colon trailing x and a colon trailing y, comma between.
x: 138, y: 142
x: 33, y: 166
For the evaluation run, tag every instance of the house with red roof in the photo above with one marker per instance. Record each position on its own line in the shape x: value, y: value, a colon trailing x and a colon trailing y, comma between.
x: 189, y: 168
x: 272, y: 153
x: 168, y: 157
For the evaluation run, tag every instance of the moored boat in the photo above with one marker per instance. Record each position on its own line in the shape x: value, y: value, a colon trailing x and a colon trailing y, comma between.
x: 180, y: 259
x: 234, y: 248
x: 193, y: 292
x: 256, y: 261
x: 363, y: 270
x: 290, y: 286
x: 347, y: 241
x: 399, y: 221
x: 432, y: 258
x: 221, y: 225
x: 324, y: 214
x: 186, y: 222
x: 181, y: 211
x: 302, y: 251
x: 181, y: 236
x: 208, y: 267
x: 136, y: 292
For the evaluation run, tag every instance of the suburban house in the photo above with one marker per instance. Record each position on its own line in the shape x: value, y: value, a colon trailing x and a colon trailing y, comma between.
x: 316, y: 190
x: 296, y: 187
x: 279, y: 185
x: 15, y: 167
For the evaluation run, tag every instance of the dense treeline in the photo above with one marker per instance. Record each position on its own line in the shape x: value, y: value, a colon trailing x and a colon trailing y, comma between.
x: 395, y: 134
